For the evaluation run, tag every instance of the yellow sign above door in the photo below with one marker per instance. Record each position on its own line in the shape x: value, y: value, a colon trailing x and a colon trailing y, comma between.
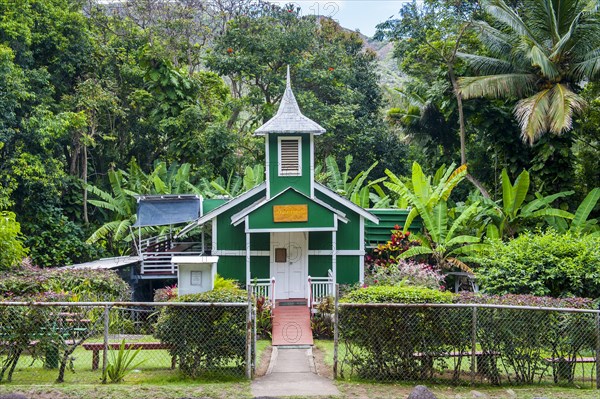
x: 290, y: 213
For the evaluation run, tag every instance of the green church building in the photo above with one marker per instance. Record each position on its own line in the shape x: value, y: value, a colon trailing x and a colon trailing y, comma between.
x: 289, y: 229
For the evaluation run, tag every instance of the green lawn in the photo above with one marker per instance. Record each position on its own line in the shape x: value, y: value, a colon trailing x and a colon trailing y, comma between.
x: 154, y: 369
x: 155, y: 380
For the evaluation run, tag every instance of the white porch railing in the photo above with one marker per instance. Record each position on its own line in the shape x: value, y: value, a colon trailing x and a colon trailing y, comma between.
x: 319, y: 288
x: 264, y: 287
x: 156, y: 253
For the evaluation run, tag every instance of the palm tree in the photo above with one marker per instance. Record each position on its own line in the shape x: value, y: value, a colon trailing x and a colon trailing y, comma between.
x: 539, y: 53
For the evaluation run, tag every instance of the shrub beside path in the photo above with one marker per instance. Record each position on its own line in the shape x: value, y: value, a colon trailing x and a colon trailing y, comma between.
x: 292, y: 372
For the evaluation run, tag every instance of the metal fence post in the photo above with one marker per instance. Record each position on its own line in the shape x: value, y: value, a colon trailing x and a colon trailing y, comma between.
x: 597, y: 350
x: 474, y: 345
x: 254, y: 333
x: 336, y: 331
x: 105, y: 351
x: 249, y: 335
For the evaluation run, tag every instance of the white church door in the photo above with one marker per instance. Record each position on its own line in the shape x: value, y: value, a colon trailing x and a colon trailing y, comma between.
x: 289, y: 264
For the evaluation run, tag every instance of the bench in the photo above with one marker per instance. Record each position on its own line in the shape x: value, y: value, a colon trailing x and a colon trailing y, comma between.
x: 96, y: 347
x: 564, y: 369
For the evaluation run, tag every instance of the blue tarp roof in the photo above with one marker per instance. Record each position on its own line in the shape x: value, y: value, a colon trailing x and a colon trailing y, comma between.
x: 167, y: 209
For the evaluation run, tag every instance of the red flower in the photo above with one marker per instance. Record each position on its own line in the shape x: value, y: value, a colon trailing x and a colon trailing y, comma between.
x: 330, y: 69
x: 229, y: 50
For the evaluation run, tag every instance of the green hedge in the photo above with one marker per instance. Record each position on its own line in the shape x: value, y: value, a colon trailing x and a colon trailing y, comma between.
x: 397, y: 294
x: 548, y: 263
x: 207, y: 340
x: 410, y: 343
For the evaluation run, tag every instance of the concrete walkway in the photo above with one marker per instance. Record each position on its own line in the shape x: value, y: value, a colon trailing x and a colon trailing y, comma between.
x: 292, y: 372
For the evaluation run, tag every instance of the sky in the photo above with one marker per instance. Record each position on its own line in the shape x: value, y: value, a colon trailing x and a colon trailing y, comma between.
x: 363, y: 15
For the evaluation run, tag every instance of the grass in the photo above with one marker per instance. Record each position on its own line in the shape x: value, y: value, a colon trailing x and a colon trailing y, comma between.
x: 352, y: 388
x: 155, y: 369
x: 156, y: 381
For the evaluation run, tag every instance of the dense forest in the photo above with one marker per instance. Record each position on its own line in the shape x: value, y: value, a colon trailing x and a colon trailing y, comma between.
x: 100, y: 101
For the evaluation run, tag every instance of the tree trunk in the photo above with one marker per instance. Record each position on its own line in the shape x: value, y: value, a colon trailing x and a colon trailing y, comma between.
x: 84, y: 172
x: 462, y: 131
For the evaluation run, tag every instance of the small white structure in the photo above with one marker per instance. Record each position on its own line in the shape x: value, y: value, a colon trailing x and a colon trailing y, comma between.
x: 195, y: 274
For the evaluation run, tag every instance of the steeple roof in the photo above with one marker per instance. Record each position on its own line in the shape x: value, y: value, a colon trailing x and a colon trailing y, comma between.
x: 289, y: 119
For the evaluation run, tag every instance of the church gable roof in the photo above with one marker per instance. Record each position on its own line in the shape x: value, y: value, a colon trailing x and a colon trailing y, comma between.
x: 289, y: 119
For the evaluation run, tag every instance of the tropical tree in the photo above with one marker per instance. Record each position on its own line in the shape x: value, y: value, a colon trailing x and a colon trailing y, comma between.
x: 510, y: 216
x: 443, y: 239
x: 539, y: 53
x: 12, y: 250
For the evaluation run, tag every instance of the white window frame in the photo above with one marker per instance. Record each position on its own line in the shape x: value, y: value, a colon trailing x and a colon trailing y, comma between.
x: 290, y: 138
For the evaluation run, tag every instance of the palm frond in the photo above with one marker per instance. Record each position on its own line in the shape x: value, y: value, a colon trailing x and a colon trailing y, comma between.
x: 512, y: 85
x: 501, y: 12
x: 532, y: 115
x: 540, y: 59
x: 562, y: 107
x: 482, y: 65
x: 589, y: 68
x: 494, y: 39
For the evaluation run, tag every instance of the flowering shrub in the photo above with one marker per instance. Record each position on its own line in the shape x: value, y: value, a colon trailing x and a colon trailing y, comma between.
x: 387, y: 254
x: 165, y: 294
x: 264, y: 321
x: 526, y: 300
x: 32, y: 283
x: 406, y: 272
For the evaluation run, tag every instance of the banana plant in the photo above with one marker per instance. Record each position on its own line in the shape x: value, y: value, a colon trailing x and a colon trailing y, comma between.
x: 580, y: 222
x: 508, y: 216
x: 425, y: 194
x: 119, y: 204
x: 442, y: 240
x: 354, y: 189
x: 234, y: 186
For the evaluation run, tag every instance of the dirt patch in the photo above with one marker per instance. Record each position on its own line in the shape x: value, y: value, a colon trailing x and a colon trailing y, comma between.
x: 323, y: 369
x: 263, y: 362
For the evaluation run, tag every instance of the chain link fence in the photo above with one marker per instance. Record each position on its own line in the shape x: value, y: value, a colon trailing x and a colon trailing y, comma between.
x: 464, y: 343
x: 91, y: 342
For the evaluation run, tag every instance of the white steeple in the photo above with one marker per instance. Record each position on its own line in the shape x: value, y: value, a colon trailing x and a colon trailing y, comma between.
x: 289, y: 119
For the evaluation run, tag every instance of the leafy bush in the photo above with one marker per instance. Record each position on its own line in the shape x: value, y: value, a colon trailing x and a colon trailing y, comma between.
x: 407, y: 273
x: 19, y: 326
x: 381, y: 342
x: 224, y: 283
x: 206, y: 339
x: 397, y: 294
x: 12, y: 250
x: 542, y: 263
x: 65, y: 284
x: 525, y: 338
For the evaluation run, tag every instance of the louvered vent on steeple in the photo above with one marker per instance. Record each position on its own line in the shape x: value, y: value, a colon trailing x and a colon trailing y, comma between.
x: 290, y: 157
